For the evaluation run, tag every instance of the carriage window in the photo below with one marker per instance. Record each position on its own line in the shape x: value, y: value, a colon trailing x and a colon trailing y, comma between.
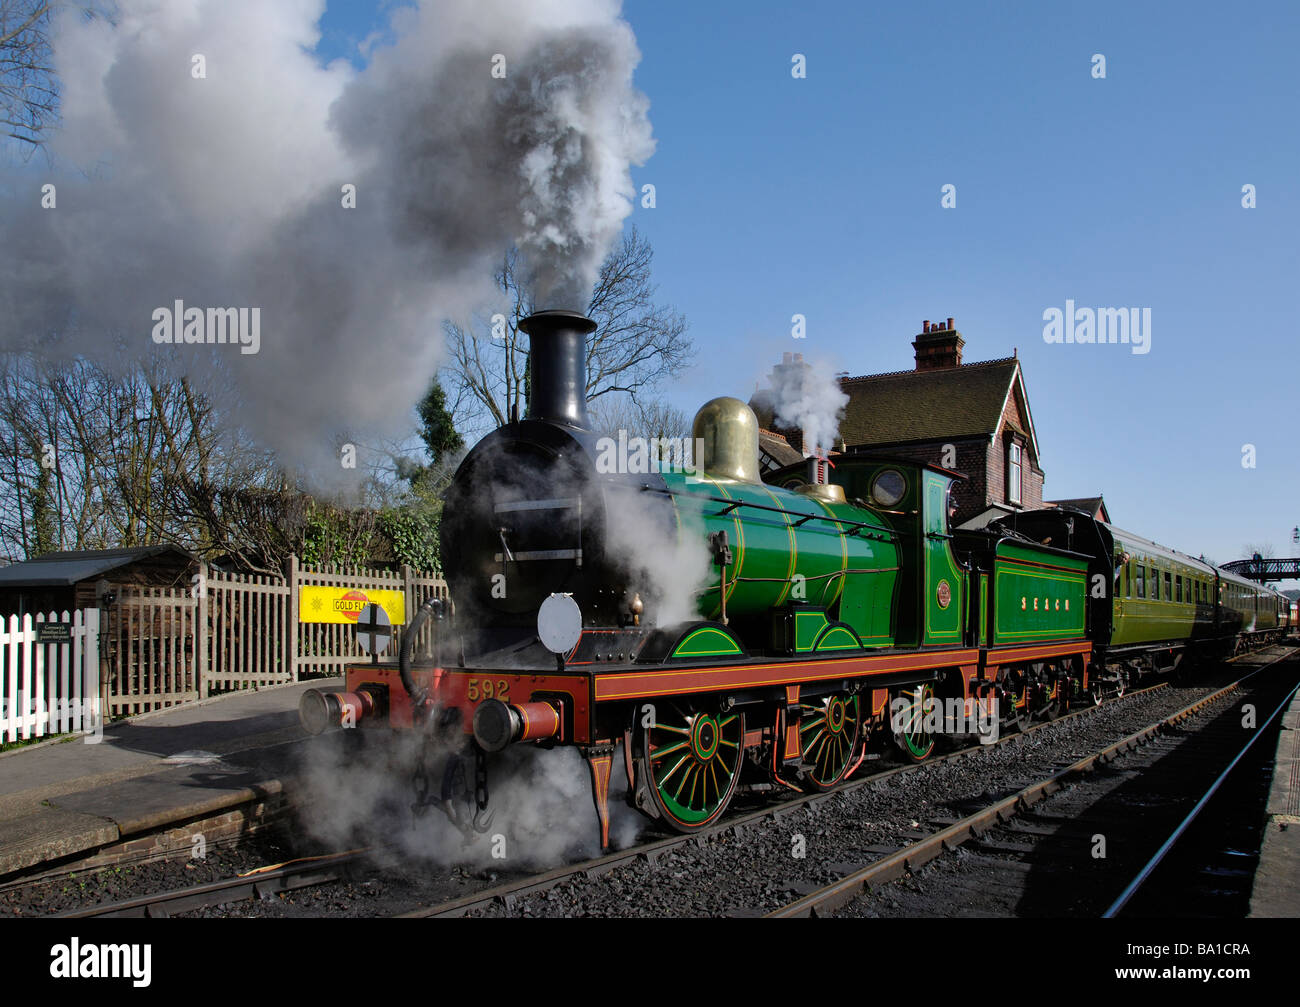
x: 1155, y: 584
x: 1141, y: 581
x: 1178, y: 588
x: 1169, y: 594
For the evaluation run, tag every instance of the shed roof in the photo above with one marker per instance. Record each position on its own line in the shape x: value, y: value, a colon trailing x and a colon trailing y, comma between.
x: 62, y: 569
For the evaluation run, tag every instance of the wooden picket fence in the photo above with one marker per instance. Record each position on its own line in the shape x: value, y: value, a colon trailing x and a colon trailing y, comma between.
x: 233, y: 631
x: 49, y: 688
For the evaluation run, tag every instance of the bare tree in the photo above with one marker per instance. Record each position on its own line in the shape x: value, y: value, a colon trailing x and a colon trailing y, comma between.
x: 1264, y: 550
x: 29, y: 97
x: 29, y: 91
x: 636, y: 346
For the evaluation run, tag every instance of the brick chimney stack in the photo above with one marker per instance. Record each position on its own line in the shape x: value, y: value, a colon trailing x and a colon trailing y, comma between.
x: 937, y: 346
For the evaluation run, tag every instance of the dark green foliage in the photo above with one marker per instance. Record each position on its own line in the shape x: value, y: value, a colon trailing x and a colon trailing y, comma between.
x: 413, y: 532
x: 438, y: 430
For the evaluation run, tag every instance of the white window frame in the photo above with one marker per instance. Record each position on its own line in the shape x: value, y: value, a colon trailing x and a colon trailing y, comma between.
x: 1015, y: 473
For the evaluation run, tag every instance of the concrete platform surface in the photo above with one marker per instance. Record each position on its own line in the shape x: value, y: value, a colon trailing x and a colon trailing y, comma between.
x: 67, y: 797
x: 1277, y: 879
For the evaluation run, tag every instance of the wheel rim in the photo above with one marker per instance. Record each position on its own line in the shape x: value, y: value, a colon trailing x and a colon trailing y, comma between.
x: 692, y: 759
x: 828, y: 733
x: 915, y: 739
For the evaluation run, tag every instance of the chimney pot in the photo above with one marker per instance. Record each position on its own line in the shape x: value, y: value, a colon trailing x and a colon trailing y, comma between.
x: 925, y: 326
x: 798, y: 358
x: 786, y: 358
x: 950, y: 323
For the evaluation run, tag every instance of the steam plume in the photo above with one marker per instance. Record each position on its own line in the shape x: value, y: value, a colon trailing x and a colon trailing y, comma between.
x: 805, y: 396
x: 227, y: 190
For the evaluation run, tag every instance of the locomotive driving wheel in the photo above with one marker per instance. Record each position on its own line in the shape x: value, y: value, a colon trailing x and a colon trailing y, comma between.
x: 828, y: 735
x: 692, y: 757
x: 1013, y: 698
x: 913, y: 722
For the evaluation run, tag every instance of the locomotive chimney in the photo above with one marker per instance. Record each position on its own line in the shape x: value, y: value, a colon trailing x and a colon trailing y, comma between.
x: 557, y: 358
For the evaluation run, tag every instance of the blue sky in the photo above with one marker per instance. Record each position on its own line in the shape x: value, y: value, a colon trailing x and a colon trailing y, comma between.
x: 821, y: 197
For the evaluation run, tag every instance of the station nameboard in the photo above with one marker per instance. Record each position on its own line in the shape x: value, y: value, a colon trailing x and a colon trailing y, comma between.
x: 344, y: 604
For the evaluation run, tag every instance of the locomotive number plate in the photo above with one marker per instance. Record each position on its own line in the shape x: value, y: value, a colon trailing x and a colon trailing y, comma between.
x: 488, y: 688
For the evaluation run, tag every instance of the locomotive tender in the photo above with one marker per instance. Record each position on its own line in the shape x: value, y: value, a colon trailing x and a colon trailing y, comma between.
x: 798, y: 624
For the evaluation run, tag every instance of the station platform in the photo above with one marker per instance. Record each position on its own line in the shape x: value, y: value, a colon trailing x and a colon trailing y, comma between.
x: 1276, y: 891
x: 220, y: 763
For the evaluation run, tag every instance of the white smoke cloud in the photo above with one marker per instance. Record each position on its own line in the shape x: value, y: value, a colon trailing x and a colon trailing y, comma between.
x: 226, y: 190
x: 540, y: 805
x: 666, y: 563
x: 806, y: 395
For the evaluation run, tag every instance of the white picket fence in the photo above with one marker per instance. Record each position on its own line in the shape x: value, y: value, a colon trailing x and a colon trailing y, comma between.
x: 49, y: 688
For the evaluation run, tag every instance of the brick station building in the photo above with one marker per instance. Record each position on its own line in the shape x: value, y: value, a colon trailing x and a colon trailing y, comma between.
x: 970, y: 417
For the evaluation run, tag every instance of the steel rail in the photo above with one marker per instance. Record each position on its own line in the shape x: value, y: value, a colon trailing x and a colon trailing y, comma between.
x: 260, y: 883
x: 1132, y: 888
x: 914, y: 855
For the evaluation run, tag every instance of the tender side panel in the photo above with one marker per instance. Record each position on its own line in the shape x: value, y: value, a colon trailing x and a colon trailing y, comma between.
x: 1038, y: 596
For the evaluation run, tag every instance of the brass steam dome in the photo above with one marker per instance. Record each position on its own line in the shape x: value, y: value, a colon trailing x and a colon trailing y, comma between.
x: 727, y: 430
x: 826, y: 492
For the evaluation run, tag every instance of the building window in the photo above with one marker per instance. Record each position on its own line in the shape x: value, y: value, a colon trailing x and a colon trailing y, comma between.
x: 1013, y: 473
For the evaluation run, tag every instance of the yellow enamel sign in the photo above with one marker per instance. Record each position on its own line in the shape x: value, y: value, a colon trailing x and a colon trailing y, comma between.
x: 344, y: 604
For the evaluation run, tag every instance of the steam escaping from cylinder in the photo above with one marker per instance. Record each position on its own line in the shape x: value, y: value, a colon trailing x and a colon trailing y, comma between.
x: 207, y: 161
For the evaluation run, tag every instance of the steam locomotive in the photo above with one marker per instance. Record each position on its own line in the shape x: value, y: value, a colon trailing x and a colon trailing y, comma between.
x: 725, y: 630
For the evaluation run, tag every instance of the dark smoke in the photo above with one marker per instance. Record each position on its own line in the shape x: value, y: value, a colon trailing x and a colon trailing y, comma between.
x: 226, y: 192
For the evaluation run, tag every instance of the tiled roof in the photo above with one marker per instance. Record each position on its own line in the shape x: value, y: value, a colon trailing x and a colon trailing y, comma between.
x: 945, y: 403
x: 778, y: 448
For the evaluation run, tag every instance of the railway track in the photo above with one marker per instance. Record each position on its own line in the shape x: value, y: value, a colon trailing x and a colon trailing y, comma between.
x: 1025, y: 854
x: 267, y: 883
x: 264, y: 883
x: 296, y: 875
x: 509, y: 894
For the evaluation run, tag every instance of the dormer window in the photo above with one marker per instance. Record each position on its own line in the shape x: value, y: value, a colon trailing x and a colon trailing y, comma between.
x: 1013, y: 473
